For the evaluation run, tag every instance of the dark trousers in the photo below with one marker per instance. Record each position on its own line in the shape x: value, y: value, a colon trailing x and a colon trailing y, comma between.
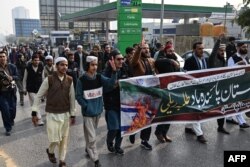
x: 145, y: 134
x: 221, y: 122
x: 8, y: 108
x: 114, y: 135
x: 162, y: 129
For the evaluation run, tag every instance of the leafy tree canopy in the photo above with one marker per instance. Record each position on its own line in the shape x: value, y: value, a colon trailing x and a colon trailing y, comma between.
x: 243, y: 18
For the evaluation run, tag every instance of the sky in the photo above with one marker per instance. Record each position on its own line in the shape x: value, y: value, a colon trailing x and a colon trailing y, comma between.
x: 33, y: 7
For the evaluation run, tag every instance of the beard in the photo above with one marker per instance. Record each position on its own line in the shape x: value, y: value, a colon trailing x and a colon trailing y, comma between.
x: 145, y: 54
x: 243, y: 52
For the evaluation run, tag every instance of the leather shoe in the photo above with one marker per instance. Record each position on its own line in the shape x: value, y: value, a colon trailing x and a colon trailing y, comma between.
x: 62, y: 164
x: 160, y: 138
x: 190, y: 131
x: 167, y: 139
x: 247, y: 114
x: 232, y: 121
x: 97, y: 163
x: 201, y: 139
x: 223, y: 130
x: 87, y: 154
x: 110, y: 147
x: 51, y: 156
x: 7, y: 133
x: 244, y: 125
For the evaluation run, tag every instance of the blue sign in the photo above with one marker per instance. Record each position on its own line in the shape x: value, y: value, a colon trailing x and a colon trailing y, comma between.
x: 125, y: 2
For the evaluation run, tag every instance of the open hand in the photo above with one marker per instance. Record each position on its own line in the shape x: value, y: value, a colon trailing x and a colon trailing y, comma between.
x: 112, y: 64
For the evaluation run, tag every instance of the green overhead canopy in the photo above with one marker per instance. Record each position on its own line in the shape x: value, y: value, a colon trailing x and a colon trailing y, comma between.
x: 149, y: 10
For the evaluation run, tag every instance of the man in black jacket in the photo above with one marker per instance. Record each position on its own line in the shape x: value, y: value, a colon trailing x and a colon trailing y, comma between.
x: 166, y: 62
x: 216, y: 59
x: 112, y: 104
x: 196, y: 62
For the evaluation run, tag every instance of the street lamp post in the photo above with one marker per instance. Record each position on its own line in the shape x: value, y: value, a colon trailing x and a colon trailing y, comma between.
x: 225, y: 19
x: 161, y: 23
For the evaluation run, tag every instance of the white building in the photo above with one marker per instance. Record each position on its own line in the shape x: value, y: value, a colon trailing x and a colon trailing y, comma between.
x: 19, y: 13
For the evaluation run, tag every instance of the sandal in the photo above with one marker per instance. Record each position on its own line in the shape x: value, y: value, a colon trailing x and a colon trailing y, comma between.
x: 62, y: 164
x: 51, y: 156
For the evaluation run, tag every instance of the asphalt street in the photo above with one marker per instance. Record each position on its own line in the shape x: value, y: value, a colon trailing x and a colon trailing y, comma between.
x: 27, y: 144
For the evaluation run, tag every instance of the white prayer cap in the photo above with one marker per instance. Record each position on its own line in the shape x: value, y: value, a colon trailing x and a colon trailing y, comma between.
x: 67, y: 49
x: 222, y: 46
x: 60, y: 59
x: 89, y: 59
x: 79, y: 46
x: 49, y: 57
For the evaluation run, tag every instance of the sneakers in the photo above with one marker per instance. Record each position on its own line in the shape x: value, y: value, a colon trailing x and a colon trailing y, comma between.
x: 97, y: 163
x: 132, y: 139
x: 8, y: 133
x: 146, y: 145
x: 223, y: 130
x: 201, y: 139
x: 244, y: 125
x: 40, y: 122
x: 119, y: 151
x: 190, y: 131
x: 51, y: 156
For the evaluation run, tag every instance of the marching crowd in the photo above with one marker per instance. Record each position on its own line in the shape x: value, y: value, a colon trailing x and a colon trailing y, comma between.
x: 91, y: 79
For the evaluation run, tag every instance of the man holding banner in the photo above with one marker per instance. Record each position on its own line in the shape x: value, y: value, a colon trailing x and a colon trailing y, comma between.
x: 240, y: 58
x: 216, y: 59
x: 143, y: 64
x: 112, y: 104
x: 166, y: 62
x: 196, y: 62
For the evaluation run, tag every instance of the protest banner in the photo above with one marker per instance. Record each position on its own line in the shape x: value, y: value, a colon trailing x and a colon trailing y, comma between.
x: 183, y: 97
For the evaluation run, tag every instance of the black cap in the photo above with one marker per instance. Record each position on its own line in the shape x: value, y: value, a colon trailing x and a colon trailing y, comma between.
x: 231, y: 39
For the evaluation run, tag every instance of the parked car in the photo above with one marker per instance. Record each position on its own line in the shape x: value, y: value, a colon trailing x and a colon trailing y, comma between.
x: 206, y: 53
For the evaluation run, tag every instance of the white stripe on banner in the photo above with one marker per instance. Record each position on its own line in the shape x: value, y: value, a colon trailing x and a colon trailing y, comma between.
x: 127, y: 115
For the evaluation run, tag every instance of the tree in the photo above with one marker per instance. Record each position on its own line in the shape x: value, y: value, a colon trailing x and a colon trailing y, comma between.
x: 246, y: 2
x: 243, y: 18
x: 11, y: 39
